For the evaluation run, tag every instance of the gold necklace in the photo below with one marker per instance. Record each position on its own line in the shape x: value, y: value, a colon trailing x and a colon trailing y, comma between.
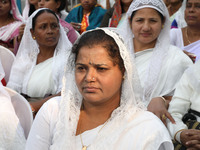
x: 84, y: 147
x: 186, y: 34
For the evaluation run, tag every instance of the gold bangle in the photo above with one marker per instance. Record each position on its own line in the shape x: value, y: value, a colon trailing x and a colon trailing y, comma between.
x: 177, y: 133
x: 163, y: 100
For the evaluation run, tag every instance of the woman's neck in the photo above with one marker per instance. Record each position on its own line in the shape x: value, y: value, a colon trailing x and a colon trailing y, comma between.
x: 45, y: 54
x: 192, y: 34
x: 125, y: 7
x: 91, y: 116
x: 174, y: 7
x: 140, y: 46
x: 6, y: 19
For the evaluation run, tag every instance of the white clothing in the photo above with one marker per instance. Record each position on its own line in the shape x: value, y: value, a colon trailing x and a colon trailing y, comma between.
x: 103, y: 3
x: 26, y: 59
x: 186, y: 96
x: 170, y: 73
x: 41, y: 81
x: 176, y: 38
x: 129, y: 135
x: 158, y: 76
x: 179, y: 16
x: 61, y: 124
x: 11, y: 133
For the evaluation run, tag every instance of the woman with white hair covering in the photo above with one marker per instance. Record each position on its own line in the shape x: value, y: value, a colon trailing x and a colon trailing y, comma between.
x: 178, y: 18
x: 10, y: 21
x: 38, y: 68
x: 159, y: 64
x: 99, y: 107
x: 12, y: 135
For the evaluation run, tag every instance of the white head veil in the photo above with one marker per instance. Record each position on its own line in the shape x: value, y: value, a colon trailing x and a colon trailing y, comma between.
x: 162, y: 45
x: 27, y: 56
x: 71, y: 101
x: 180, y: 15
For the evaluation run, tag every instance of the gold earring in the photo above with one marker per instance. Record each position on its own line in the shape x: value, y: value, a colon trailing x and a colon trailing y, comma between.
x: 162, y: 26
x: 34, y: 37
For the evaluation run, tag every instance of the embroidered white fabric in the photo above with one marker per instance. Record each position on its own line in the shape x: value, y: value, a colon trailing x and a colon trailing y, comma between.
x: 71, y: 101
x: 160, y: 50
x: 27, y: 56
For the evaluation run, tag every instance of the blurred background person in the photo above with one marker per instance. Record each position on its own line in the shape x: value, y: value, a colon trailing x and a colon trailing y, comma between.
x: 86, y: 16
x: 188, y: 38
x: 9, y: 23
x: 115, y: 16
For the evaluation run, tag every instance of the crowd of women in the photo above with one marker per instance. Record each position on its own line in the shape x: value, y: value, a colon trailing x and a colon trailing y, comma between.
x: 110, y: 77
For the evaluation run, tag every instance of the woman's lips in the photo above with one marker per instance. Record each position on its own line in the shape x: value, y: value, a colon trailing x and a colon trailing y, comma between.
x: 90, y: 89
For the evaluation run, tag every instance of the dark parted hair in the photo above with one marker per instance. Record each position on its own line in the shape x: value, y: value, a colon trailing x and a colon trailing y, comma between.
x: 41, y: 12
x: 99, y: 38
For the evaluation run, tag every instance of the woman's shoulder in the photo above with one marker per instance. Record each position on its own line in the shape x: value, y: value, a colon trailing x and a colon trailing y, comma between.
x: 52, y: 104
x: 177, y: 54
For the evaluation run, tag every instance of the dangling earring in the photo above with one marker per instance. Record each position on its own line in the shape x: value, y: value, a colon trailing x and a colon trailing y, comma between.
x: 34, y: 37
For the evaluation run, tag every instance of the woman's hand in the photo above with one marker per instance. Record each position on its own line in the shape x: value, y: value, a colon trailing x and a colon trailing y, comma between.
x: 21, y: 32
x: 76, y: 26
x: 191, y: 139
x: 159, y: 108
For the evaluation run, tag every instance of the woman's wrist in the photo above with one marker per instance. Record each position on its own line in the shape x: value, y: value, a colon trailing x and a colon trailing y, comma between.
x: 177, y: 135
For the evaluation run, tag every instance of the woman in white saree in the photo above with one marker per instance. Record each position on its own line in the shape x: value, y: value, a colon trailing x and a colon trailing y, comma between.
x: 38, y: 69
x: 99, y: 108
x: 159, y: 64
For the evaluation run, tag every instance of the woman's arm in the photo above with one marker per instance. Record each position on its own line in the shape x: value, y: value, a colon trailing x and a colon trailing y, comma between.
x: 36, y: 105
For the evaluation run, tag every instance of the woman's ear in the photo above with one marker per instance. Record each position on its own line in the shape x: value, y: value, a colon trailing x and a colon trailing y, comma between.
x: 32, y: 34
x: 58, y: 3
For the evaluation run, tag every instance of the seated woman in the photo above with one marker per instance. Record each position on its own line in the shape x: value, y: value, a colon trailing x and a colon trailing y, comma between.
x: 159, y: 64
x: 99, y: 108
x: 9, y: 23
x: 115, y: 16
x: 38, y: 69
x: 185, y: 109
x: 86, y: 16
x: 12, y: 135
x: 188, y: 38
x: 57, y: 6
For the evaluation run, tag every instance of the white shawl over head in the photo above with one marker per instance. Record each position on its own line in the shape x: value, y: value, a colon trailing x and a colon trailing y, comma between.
x: 71, y: 101
x: 27, y: 56
x: 162, y: 45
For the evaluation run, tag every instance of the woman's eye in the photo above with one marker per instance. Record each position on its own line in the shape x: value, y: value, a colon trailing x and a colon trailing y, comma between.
x: 80, y: 68
x: 42, y: 26
x: 139, y: 20
x: 101, y: 69
x: 54, y: 26
x: 153, y: 20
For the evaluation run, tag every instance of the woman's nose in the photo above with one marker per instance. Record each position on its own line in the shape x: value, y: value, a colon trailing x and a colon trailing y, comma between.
x: 90, y: 75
